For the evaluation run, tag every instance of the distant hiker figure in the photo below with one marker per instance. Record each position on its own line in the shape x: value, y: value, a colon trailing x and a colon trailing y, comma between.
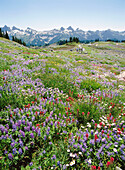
x: 80, y: 48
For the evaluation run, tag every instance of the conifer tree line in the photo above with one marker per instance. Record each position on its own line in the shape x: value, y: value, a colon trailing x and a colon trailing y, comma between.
x: 5, y: 35
x: 18, y: 40
x: 71, y: 39
x: 74, y: 39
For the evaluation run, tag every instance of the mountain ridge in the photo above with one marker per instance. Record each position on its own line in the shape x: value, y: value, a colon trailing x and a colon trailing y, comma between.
x: 34, y: 37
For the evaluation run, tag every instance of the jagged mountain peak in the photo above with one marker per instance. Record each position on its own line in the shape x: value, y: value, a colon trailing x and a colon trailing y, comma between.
x: 6, y: 28
x: 15, y: 28
x: 70, y: 28
x: 31, y: 36
x: 62, y: 28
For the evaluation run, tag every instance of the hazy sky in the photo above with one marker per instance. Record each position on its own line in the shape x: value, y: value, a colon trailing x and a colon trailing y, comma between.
x: 50, y: 14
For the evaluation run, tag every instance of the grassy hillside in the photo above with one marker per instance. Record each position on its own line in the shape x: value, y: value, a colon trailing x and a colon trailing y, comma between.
x: 61, y: 108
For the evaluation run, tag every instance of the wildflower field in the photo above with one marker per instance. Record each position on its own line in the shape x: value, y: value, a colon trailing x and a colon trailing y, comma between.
x: 62, y: 109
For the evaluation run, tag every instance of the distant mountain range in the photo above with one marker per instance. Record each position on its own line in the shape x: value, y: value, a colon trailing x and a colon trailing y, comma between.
x: 34, y: 37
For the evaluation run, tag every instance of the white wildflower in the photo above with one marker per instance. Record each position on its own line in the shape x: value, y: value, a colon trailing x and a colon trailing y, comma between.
x: 72, y: 163
x: 115, y: 150
x: 117, y: 168
x: 80, y: 153
x: 120, y: 138
x: 89, y: 161
x: 67, y: 164
x: 71, y: 154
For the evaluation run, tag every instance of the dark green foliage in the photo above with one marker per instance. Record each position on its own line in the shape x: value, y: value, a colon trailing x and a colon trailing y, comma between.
x: 18, y: 40
x: 1, y: 35
x: 123, y: 41
x: 13, y: 39
x: 5, y: 35
x: 97, y: 40
x: 61, y: 42
x: 112, y: 40
x: 70, y: 39
x: 74, y: 39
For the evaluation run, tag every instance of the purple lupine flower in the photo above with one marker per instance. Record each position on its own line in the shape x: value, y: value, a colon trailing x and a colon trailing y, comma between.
x: 48, y: 129
x: 28, y: 128
x: 27, y: 123
x: 122, y: 146
x: 115, y: 143
x: 65, y: 132
x: 36, y: 130
x: 33, y: 128
x: 104, y: 140
x: 44, y: 152
x: 23, y: 122
x: 39, y: 132
x: 47, y: 132
x: 97, y: 154
x: 123, y: 158
x: 32, y: 143
x: 51, y: 123
x: 12, y: 144
x: 31, y: 163
x: 54, y: 157
x: 20, y: 151
x: 5, y: 152
x: 21, y: 143
x: 91, y: 150
x: 92, y: 132
x: 31, y: 135
x: 14, y: 151
x: 50, y: 143
x: 10, y: 156
x: 7, y: 126
x: 97, y: 140
x: 19, y: 123
x: 33, y: 118
x: 64, y: 166
x: 6, y: 131
x: 83, y: 150
x: 26, y: 148
x: 22, y: 133
x: 75, y: 146
x: 56, y: 124
x: 25, y: 128
x: 44, y: 137
x: 92, y: 141
x: 2, y: 128
x: 58, y: 163
x: 44, y: 124
x: 101, y: 164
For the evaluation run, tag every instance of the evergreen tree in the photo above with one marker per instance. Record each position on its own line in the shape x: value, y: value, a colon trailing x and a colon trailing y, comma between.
x: 70, y: 39
x: 1, y: 35
x: 13, y: 39
x: 24, y: 43
x: 74, y: 39
x: 77, y: 40
x: 6, y: 35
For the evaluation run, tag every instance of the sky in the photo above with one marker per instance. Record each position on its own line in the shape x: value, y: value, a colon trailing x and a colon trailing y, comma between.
x: 49, y: 14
